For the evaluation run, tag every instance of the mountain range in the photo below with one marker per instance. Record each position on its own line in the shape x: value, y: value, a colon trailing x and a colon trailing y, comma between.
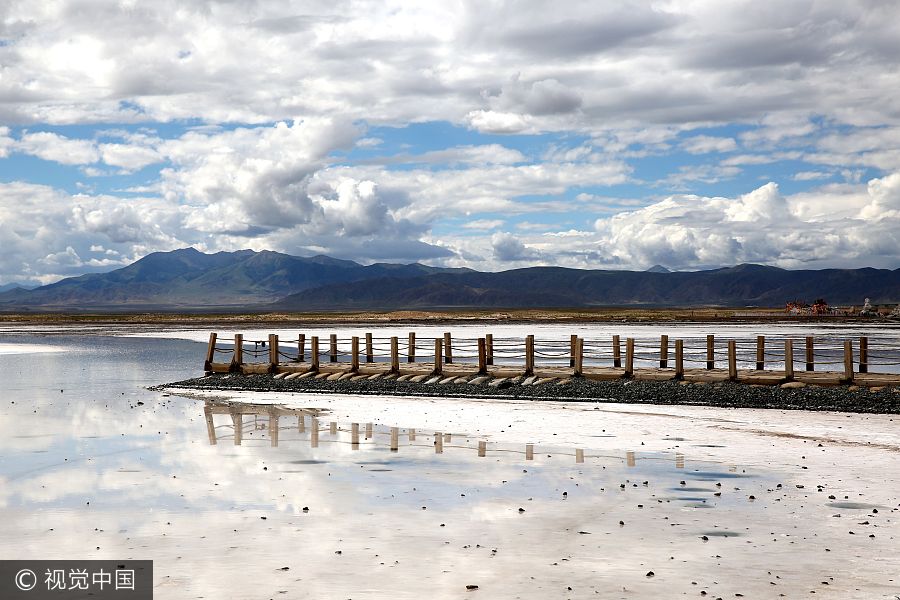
x: 189, y: 280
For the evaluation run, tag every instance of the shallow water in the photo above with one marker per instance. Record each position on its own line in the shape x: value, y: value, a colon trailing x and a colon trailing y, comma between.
x: 88, y: 472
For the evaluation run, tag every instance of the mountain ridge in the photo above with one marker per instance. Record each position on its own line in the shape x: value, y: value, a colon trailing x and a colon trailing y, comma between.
x: 247, y: 280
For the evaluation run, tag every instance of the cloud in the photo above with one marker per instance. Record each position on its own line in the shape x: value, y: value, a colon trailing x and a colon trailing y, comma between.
x: 508, y: 248
x: 57, y: 148
x: 489, y: 121
x: 704, y: 144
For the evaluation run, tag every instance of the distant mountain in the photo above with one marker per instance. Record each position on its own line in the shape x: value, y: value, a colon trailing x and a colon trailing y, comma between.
x: 658, y: 269
x: 571, y: 288
x: 13, y: 286
x: 189, y: 279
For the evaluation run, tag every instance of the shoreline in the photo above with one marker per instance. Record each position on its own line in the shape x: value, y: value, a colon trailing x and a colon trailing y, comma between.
x: 723, y: 395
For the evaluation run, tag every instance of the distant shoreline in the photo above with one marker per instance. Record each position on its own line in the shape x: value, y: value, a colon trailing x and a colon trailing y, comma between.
x: 460, y: 316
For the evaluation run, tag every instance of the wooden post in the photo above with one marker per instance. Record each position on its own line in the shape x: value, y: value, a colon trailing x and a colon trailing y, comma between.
x: 333, y: 354
x: 848, y: 361
x: 210, y: 352
x: 412, y: 434
x: 482, y: 448
x: 395, y: 355
x: 489, y: 348
x: 314, y: 432
x: 354, y: 353
x: 573, y: 341
x: 273, y: 352
x: 314, y: 353
x: 529, y: 355
x: 369, y: 431
x: 529, y: 451
x: 301, y: 348
x: 810, y: 359
x: 448, y: 349
x: 332, y: 428
x: 710, y: 352
x: 237, y: 359
x: 210, y: 426
x: 354, y: 436
x: 579, y: 357
x: 482, y: 357
x: 579, y: 455
x: 617, y: 352
x: 732, y: 360
x: 395, y: 439
x: 238, y: 420
x: 411, y: 351
x: 370, y: 353
x: 789, y: 359
x: 760, y: 353
x: 663, y: 352
x: 864, y: 355
x: 679, y: 359
x: 438, y: 441
x: 438, y: 358
x: 301, y: 423
x: 273, y: 427
x: 629, y: 357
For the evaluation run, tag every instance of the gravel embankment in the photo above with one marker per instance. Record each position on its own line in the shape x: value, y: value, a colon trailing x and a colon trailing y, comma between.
x: 734, y: 395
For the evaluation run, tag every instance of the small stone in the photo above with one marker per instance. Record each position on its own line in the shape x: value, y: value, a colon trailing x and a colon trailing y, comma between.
x: 650, y: 573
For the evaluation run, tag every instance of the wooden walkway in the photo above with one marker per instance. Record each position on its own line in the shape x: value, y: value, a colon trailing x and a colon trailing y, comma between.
x: 383, y: 361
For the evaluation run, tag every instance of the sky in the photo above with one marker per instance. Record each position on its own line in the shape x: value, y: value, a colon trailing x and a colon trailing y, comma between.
x: 493, y: 135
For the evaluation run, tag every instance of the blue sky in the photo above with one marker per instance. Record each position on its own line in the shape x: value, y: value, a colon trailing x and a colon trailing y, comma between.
x: 622, y: 135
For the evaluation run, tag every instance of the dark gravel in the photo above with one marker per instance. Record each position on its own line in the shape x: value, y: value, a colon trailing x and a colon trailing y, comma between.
x: 734, y: 395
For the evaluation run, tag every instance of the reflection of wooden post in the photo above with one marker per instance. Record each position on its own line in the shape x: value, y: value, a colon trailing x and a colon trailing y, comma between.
x: 579, y: 357
x: 663, y: 351
x: 210, y: 352
x: 333, y: 353
x: 438, y: 366
x: 732, y: 360
x: 314, y: 353
x: 679, y: 359
x: 314, y: 432
x: 411, y: 350
x: 710, y: 352
x: 529, y: 451
x: 573, y: 341
x: 354, y: 353
x: 354, y: 436
x: 863, y: 355
x: 482, y: 448
x: 395, y: 355
x: 617, y: 352
x: 760, y: 353
x: 848, y: 360
x: 629, y: 357
x: 395, y: 439
x: 489, y: 347
x: 482, y: 357
x: 237, y: 359
x: 210, y: 425
x: 301, y: 348
x: 789, y: 359
x: 438, y: 442
x: 238, y: 420
x: 529, y: 355
x: 448, y: 349
x: 273, y: 352
x: 579, y: 455
x: 370, y: 353
x: 810, y: 355
x: 273, y: 427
